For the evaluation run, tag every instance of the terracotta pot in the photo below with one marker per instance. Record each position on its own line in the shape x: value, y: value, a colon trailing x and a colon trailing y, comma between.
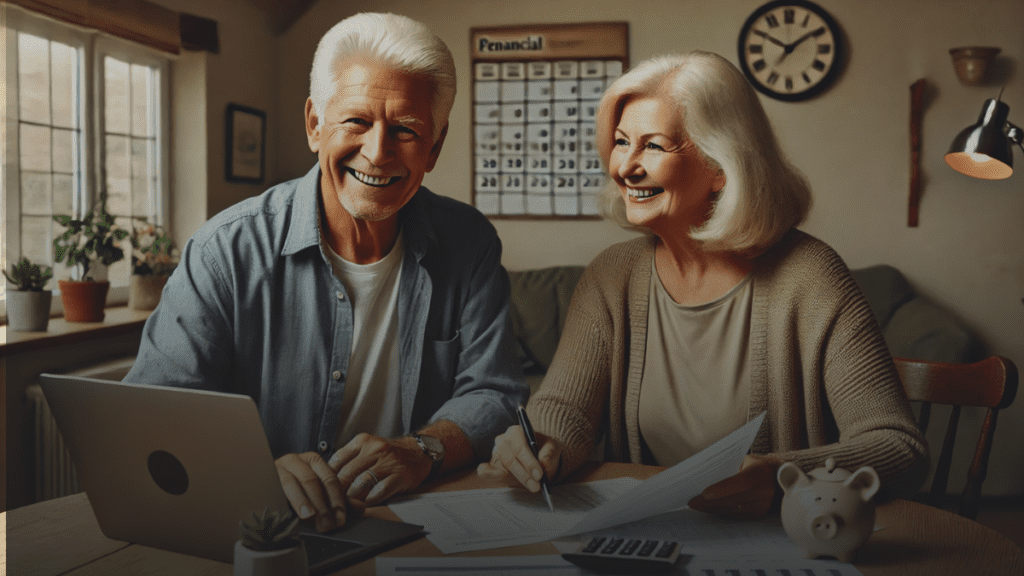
x: 28, y: 311
x: 144, y: 291
x: 83, y: 301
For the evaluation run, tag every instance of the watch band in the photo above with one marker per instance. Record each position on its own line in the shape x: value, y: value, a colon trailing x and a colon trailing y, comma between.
x: 433, y: 448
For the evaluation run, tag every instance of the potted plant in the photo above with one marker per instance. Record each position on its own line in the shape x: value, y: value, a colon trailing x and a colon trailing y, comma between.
x: 270, y: 546
x: 86, y: 245
x: 28, y: 305
x: 153, y: 259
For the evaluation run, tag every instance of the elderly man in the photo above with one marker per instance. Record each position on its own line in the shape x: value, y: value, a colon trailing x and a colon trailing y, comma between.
x: 366, y: 315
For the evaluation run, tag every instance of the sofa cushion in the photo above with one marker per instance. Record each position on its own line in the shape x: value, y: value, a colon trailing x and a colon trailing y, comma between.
x: 921, y: 330
x: 913, y: 326
x: 540, y: 301
x: 885, y: 289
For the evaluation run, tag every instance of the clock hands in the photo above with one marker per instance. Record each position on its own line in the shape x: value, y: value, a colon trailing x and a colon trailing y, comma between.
x: 789, y: 48
x: 771, y: 39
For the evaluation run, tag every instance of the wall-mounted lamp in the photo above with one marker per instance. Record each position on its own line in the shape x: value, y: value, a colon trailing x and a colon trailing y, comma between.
x: 984, y: 149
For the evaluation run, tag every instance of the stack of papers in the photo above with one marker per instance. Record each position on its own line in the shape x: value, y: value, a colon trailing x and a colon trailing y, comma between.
x: 493, y: 518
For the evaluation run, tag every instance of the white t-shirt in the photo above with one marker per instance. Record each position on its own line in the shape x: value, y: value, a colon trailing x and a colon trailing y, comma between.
x: 373, y: 397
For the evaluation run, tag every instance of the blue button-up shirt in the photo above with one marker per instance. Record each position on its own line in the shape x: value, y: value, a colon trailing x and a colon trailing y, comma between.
x: 254, y: 308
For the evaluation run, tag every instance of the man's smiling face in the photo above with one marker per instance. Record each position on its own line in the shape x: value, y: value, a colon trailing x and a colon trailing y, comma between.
x: 374, y: 138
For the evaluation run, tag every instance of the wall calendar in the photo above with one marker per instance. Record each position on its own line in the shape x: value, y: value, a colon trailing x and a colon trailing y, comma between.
x: 535, y: 95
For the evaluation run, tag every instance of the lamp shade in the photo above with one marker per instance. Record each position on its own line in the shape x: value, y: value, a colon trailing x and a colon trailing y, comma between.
x: 983, y: 150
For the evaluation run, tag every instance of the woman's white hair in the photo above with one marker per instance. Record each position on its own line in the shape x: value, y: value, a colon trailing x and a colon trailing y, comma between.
x: 397, y: 41
x: 764, y: 195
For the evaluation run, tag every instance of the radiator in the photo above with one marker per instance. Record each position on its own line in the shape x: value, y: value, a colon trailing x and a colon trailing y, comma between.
x: 54, y: 470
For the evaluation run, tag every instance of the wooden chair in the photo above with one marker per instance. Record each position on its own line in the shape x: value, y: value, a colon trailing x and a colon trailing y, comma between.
x: 990, y: 383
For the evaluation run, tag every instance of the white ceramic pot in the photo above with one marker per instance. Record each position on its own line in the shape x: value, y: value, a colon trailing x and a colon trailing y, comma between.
x: 28, y: 311
x: 144, y: 291
x: 287, y: 562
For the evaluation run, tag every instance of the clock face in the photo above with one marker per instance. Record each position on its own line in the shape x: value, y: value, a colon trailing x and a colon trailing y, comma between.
x: 790, y: 49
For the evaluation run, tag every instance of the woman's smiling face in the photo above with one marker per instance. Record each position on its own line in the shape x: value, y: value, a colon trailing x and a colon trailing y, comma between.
x: 667, y: 185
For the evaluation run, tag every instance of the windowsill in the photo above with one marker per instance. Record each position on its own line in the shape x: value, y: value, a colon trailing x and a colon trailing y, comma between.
x: 118, y: 320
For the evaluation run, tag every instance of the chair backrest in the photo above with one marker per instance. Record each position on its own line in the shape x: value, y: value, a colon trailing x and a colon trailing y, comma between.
x: 990, y: 383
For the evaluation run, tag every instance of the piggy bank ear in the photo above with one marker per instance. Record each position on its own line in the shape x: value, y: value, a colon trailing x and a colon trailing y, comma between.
x: 791, y: 477
x: 865, y: 482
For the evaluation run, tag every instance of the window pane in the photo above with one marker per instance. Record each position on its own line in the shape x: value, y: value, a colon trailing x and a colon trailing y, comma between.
x: 116, y: 87
x: 35, y: 148
x: 35, y: 238
x: 60, y: 271
x: 63, y: 194
x: 118, y: 176
x: 142, y: 153
x: 118, y: 272
x: 142, y: 100
x: 64, y: 74
x: 34, y: 78
x: 35, y: 193
x: 63, y: 151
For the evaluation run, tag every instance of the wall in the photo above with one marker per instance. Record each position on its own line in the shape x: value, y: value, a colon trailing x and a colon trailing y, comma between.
x: 241, y: 73
x: 852, y: 142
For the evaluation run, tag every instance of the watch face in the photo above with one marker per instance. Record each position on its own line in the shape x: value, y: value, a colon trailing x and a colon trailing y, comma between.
x: 433, y: 445
x: 790, y: 49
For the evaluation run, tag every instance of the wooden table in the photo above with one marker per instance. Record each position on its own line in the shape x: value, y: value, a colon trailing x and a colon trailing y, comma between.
x: 61, y: 537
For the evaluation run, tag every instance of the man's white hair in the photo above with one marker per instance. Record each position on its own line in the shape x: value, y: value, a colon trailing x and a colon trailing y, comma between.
x: 396, y: 41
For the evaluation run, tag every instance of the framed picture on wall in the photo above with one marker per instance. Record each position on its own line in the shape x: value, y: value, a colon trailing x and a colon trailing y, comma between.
x: 246, y: 143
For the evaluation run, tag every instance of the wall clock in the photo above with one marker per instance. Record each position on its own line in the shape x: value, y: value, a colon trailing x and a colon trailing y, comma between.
x: 790, y: 49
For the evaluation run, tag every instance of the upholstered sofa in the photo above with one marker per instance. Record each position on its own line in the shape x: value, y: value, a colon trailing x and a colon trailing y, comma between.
x: 914, y: 327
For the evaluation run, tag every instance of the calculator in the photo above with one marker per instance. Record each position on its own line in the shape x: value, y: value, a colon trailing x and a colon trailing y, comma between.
x: 624, y: 555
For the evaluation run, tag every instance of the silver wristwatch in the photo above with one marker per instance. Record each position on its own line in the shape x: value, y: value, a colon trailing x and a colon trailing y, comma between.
x: 433, y: 448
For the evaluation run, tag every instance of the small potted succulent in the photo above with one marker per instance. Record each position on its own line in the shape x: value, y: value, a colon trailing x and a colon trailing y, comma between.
x: 28, y: 305
x: 153, y: 259
x: 270, y: 546
x: 87, y: 246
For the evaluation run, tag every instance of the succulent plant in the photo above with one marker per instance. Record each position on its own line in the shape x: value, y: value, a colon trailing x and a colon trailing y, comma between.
x: 270, y: 530
x: 28, y: 276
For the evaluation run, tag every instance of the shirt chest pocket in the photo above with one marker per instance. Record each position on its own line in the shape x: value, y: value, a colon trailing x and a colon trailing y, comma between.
x: 440, y: 360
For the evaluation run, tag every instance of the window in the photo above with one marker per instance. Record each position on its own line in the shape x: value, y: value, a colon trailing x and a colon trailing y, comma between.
x: 85, y: 117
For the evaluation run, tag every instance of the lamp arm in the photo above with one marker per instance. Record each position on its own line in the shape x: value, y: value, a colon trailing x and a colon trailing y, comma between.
x: 1015, y: 134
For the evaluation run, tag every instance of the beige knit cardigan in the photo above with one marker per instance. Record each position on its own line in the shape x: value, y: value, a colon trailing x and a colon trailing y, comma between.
x: 819, y: 367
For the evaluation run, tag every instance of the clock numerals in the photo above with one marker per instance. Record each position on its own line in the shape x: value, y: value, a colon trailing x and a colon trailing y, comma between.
x: 789, y: 49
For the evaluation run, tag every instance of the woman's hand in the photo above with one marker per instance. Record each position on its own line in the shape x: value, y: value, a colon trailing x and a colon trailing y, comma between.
x: 746, y: 495
x: 512, y: 460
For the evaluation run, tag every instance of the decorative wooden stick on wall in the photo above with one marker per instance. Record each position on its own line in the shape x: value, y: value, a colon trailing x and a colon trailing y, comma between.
x: 916, y: 112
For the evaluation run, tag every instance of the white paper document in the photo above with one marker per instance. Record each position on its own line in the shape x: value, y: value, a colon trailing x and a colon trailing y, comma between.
x: 557, y: 566
x: 497, y: 517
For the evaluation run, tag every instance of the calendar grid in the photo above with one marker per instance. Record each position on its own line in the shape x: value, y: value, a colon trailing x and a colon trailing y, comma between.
x: 534, y: 112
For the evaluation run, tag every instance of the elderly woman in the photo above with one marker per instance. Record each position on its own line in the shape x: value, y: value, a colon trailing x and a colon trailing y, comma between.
x: 721, y: 311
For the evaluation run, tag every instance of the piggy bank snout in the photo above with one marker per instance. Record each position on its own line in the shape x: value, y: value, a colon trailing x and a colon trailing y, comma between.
x: 824, y: 526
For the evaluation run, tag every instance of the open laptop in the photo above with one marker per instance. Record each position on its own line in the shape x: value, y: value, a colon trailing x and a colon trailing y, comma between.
x: 177, y: 469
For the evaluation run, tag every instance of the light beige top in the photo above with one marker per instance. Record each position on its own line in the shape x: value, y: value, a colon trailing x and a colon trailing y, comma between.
x: 696, y: 384
x: 818, y: 366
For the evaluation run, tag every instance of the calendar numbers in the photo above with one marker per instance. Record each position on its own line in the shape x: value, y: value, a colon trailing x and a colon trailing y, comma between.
x: 535, y: 96
x: 534, y: 124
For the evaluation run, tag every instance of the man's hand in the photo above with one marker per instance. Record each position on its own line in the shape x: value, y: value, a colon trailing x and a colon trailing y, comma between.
x: 369, y: 470
x: 512, y: 460
x: 313, y: 488
x: 747, y: 495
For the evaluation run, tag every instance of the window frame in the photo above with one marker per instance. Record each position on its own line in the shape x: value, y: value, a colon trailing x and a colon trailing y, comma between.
x: 92, y: 47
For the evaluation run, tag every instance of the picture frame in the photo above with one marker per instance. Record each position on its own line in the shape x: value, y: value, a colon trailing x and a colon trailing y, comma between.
x: 245, y: 144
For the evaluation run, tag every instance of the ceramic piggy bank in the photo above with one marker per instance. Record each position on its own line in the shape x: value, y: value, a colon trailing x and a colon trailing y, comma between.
x: 828, y: 512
